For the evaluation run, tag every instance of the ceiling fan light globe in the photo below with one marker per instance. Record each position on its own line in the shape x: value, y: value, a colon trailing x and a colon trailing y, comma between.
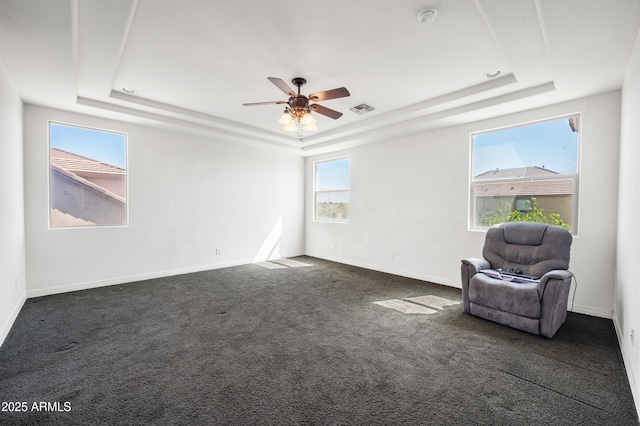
x: 290, y: 127
x: 310, y: 127
x: 285, y: 119
x: 307, y: 118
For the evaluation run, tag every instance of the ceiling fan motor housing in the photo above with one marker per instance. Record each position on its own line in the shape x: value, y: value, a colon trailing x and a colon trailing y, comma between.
x: 299, y: 105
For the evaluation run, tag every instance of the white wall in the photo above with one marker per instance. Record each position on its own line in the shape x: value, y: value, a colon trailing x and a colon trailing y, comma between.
x: 627, y: 309
x: 188, y: 195
x: 12, y: 240
x: 409, y: 204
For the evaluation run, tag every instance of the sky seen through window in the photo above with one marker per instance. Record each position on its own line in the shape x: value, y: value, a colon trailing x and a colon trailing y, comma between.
x: 107, y: 147
x: 549, y: 144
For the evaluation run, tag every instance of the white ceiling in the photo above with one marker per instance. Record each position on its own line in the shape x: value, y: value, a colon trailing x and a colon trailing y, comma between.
x: 194, y: 63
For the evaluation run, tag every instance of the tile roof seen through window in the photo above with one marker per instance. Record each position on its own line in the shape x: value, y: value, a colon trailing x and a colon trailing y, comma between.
x: 516, y: 172
x: 82, y: 165
x: 531, y: 188
x: 520, y: 187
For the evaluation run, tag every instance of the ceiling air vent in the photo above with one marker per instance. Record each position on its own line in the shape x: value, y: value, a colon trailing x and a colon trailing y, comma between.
x: 362, y: 109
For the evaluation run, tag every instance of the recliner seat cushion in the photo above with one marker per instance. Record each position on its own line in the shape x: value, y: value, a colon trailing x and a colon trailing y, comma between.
x: 517, y: 298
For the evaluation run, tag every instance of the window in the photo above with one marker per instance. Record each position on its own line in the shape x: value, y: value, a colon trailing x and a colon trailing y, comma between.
x: 526, y: 173
x: 332, y: 190
x: 88, y: 178
x: 523, y: 204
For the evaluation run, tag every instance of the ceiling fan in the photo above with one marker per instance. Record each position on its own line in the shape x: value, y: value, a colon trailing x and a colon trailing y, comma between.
x: 299, y: 109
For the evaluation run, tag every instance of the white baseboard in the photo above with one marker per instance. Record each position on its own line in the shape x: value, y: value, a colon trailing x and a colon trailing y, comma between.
x: 126, y: 279
x: 633, y: 383
x: 6, y: 327
x: 133, y: 278
x: 587, y: 310
x: 389, y: 270
x: 140, y: 277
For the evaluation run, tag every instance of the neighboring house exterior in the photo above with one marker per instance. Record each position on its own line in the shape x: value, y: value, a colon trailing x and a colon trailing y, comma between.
x: 85, y: 191
x: 494, y: 189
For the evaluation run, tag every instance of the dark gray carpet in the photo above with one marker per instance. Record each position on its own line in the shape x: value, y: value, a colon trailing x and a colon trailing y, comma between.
x: 248, y: 345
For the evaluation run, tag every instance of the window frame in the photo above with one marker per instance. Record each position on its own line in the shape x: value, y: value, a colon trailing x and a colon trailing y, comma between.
x: 575, y: 177
x: 317, y: 191
x: 50, y: 183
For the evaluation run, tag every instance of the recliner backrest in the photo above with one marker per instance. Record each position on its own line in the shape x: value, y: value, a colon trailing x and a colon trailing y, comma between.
x: 535, y: 248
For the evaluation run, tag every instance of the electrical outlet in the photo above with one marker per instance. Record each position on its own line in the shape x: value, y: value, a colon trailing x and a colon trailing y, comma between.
x: 218, y: 251
x: 633, y: 333
x: 331, y: 245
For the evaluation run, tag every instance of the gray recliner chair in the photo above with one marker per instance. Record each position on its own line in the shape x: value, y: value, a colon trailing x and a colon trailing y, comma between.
x: 534, y: 249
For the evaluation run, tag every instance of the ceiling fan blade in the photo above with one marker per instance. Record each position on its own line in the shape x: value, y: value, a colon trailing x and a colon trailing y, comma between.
x: 282, y: 85
x: 264, y: 103
x: 326, y: 111
x: 340, y: 92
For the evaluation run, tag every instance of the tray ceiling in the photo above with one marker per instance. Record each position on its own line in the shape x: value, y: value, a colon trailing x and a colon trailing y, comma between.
x: 193, y: 64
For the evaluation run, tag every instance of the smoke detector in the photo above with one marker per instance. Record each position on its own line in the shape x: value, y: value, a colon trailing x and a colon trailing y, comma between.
x: 427, y: 16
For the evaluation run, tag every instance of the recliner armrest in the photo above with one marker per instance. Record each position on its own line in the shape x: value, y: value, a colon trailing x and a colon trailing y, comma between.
x: 476, y: 264
x: 469, y: 268
x: 557, y: 274
x: 554, y: 291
